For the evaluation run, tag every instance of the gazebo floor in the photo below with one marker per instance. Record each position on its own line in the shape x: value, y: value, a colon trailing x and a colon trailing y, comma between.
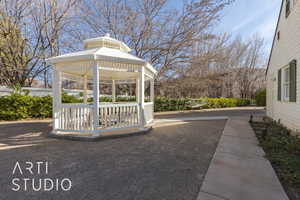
x: 104, y: 135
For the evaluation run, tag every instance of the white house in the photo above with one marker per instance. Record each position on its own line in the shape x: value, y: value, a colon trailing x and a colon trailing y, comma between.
x: 283, y: 73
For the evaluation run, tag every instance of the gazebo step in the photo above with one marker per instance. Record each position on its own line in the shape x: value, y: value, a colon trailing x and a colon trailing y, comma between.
x: 102, y: 136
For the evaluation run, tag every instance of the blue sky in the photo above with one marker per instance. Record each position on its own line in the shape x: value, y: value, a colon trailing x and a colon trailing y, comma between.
x: 249, y: 17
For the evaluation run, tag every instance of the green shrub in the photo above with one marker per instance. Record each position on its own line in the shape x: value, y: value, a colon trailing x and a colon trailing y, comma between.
x: 260, y: 97
x: 42, y: 107
x: 170, y: 104
x: 105, y: 99
x: 243, y: 102
x: 15, y: 106
x: 282, y: 149
x: 65, y: 98
x: 224, y: 102
x: 26, y: 91
x: 126, y: 99
x: 109, y: 99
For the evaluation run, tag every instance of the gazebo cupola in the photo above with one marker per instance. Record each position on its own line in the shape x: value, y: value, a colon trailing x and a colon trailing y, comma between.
x: 103, y: 59
x: 107, y: 42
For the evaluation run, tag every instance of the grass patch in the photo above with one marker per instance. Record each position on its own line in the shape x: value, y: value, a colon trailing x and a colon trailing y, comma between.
x: 283, y: 150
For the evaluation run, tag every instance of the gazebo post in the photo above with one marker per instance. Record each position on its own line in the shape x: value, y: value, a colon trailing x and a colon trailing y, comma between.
x: 141, y: 99
x: 137, y: 82
x: 152, y: 90
x: 85, y: 89
x: 96, y: 94
x: 56, y: 91
x: 113, y: 91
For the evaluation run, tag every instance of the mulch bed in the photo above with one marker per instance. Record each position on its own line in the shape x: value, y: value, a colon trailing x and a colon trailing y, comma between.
x: 283, y: 150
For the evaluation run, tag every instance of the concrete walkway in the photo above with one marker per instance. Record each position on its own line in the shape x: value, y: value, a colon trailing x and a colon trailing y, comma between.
x: 182, y: 119
x: 239, y: 169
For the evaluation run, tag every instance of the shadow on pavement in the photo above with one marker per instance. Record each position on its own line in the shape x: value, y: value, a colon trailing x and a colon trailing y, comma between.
x: 24, y: 134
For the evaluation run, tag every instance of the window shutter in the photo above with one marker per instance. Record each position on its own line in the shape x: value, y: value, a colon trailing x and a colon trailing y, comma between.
x: 293, y: 81
x: 279, y: 85
x: 287, y: 8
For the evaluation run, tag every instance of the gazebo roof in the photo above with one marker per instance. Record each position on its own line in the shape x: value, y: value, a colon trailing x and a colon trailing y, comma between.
x: 105, y: 41
x: 102, y: 49
x: 102, y: 53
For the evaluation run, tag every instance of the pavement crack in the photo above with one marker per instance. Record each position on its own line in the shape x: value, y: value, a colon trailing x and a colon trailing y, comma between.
x: 255, y: 156
x: 216, y: 195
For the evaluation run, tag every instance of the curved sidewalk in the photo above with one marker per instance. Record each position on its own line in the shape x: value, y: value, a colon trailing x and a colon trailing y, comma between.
x: 239, y: 169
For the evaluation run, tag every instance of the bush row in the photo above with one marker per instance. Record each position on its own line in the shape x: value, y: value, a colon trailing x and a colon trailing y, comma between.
x: 17, y: 106
x: 261, y: 97
x: 169, y: 104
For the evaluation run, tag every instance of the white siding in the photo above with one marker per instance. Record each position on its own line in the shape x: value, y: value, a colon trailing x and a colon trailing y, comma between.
x: 284, y: 51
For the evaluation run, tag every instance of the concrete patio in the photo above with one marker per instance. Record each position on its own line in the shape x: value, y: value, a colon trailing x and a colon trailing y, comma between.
x: 181, y: 156
x: 170, y: 162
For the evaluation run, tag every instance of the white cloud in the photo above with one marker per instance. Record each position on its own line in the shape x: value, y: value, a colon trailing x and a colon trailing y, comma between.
x: 259, y: 18
x: 244, y: 23
x: 267, y: 29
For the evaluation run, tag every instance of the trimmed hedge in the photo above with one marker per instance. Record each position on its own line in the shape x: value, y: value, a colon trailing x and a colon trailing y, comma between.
x: 169, y: 104
x: 17, y: 106
x: 109, y: 99
x: 261, y: 97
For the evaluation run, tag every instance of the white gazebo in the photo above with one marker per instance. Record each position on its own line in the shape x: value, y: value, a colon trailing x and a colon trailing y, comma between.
x: 104, y: 59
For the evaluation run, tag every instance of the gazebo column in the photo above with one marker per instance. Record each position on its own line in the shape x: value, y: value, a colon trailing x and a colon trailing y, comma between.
x: 137, y: 83
x: 141, y: 99
x: 56, y: 92
x: 85, y: 89
x: 96, y: 94
x: 152, y: 90
x: 113, y: 91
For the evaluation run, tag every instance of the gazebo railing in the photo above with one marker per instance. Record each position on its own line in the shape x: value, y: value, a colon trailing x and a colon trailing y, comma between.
x: 79, y: 117
x: 113, y: 116
x: 75, y: 117
x: 148, y: 112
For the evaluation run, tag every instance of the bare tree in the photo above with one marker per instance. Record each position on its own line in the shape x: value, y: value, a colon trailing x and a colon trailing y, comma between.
x: 13, y: 55
x: 248, y: 66
x: 41, y: 23
x: 179, y: 43
x: 220, y: 67
x: 160, y: 34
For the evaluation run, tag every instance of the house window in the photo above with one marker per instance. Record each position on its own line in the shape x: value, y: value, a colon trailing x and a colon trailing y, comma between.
x: 286, y: 84
x: 287, y: 8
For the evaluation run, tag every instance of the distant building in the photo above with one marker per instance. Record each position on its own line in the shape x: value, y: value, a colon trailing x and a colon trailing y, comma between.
x: 37, y: 84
